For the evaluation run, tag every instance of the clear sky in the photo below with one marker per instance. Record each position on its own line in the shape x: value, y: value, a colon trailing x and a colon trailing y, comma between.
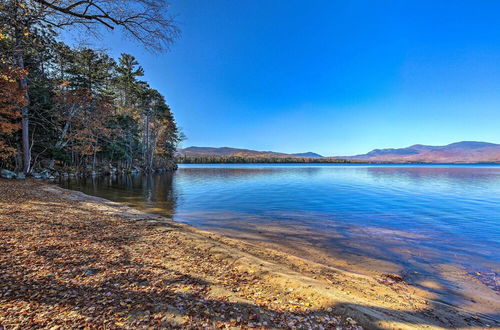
x: 333, y: 77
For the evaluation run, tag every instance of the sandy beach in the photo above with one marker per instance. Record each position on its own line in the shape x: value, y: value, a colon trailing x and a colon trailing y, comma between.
x: 69, y: 260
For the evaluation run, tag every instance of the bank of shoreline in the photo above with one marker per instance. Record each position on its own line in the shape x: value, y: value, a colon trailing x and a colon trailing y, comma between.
x: 72, y: 259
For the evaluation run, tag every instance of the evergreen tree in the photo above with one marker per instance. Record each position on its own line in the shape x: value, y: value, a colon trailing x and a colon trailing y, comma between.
x: 23, y: 22
x: 127, y: 84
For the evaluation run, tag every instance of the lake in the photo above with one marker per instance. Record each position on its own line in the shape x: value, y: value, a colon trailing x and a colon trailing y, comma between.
x: 437, y: 225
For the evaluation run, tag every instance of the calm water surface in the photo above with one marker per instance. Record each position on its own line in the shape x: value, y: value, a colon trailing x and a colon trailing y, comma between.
x: 420, y: 220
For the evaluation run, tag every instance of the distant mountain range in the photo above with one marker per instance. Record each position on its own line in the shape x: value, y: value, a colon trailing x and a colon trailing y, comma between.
x: 235, y: 152
x: 308, y: 154
x: 465, y: 151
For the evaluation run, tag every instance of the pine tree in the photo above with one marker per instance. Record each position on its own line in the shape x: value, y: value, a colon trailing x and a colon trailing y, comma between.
x: 21, y: 20
x: 126, y: 82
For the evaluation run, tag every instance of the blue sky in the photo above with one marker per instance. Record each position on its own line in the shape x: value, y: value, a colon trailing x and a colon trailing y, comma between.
x: 333, y: 77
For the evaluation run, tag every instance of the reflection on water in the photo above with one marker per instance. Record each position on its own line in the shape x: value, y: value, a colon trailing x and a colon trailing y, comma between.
x: 153, y: 192
x: 421, y: 220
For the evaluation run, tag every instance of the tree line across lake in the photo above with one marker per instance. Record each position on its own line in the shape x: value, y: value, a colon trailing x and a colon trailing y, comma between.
x: 256, y: 160
x: 78, y: 107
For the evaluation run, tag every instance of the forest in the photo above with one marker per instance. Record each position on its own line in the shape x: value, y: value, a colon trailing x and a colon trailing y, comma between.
x: 257, y: 160
x: 76, y: 108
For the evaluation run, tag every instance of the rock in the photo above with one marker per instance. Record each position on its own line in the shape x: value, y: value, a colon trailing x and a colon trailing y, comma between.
x: 21, y: 175
x: 108, y: 170
x: 390, y: 279
x: 394, y: 277
x: 36, y: 175
x: 6, y: 174
x: 48, y: 163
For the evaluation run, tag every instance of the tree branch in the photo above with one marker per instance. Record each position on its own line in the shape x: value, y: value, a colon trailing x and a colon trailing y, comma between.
x: 143, y: 20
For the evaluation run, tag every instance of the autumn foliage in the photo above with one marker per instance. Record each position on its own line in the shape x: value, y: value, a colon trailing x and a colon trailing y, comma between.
x: 88, y: 118
x: 87, y: 112
x: 81, y: 108
x: 11, y: 99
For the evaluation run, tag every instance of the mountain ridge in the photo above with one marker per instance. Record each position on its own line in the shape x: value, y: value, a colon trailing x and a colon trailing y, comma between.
x: 463, y: 151
x: 457, y: 152
x: 195, y: 151
x: 308, y: 154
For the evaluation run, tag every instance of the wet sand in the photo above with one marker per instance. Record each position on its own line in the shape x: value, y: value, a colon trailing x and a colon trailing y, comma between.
x: 68, y: 258
x: 456, y: 285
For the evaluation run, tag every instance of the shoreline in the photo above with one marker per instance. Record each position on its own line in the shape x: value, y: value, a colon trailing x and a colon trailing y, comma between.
x: 282, y: 290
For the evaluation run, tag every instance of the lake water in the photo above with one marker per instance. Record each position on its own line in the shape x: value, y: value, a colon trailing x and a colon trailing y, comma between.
x: 439, y: 225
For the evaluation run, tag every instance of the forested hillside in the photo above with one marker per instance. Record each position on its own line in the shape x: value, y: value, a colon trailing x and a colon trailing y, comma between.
x: 77, y: 108
x: 208, y: 155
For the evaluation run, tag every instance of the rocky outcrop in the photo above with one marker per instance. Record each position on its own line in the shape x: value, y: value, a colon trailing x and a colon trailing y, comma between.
x: 6, y: 174
x: 56, y: 172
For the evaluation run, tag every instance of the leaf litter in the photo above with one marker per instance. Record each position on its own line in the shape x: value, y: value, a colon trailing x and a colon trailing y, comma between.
x: 66, y: 264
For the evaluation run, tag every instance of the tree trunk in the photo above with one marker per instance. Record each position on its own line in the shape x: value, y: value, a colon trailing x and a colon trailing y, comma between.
x: 146, y: 151
x: 19, y: 54
x: 94, y: 158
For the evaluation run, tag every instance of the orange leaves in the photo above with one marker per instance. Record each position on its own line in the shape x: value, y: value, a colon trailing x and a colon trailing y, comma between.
x: 86, y: 118
x: 11, y: 100
x: 68, y: 261
x: 64, y: 84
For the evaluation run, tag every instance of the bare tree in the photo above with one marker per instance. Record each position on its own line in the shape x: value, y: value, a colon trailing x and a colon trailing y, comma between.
x: 144, y: 20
